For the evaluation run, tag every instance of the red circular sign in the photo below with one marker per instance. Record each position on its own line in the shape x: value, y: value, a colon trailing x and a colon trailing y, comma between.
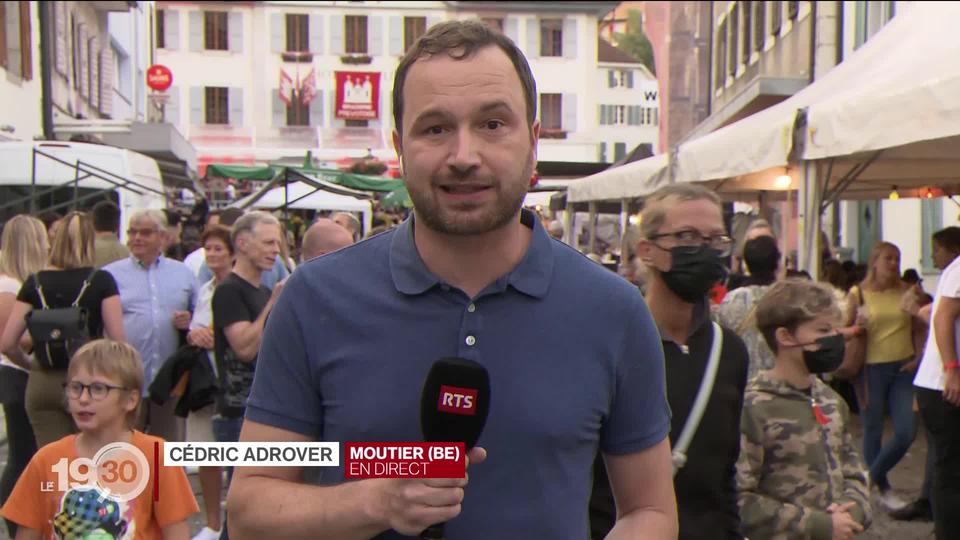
x: 159, y: 77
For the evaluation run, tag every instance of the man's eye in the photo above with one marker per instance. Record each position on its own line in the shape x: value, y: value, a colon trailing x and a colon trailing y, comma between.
x: 687, y: 235
x: 433, y: 130
x: 493, y: 124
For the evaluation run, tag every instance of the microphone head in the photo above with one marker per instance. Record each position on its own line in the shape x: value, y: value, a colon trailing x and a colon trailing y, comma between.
x: 455, y: 401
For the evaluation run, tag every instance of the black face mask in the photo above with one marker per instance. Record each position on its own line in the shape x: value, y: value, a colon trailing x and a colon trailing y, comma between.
x: 828, y: 357
x: 693, y: 272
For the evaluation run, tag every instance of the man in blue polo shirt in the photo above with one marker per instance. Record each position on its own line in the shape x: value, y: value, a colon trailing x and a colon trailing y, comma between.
x: 574, y: 357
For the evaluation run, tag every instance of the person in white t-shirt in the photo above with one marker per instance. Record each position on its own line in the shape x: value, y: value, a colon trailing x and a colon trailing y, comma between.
x: 937, y: 385
x: 25, y: 252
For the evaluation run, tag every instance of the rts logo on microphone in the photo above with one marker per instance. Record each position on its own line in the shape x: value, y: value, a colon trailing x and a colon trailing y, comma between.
x: 456, y: 400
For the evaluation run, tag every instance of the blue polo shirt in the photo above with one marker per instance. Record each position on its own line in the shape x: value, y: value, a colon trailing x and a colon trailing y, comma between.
x: 574, y: 358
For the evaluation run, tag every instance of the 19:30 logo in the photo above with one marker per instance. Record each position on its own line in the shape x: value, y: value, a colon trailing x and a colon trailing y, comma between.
x: 119, y: 470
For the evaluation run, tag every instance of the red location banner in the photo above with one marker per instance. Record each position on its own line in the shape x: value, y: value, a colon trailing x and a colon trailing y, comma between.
x: 358, y: 95
x: 404, y: 460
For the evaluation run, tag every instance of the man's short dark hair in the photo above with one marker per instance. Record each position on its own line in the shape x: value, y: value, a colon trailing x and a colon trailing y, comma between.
x: 762, y: 256
x: 173, y: 217
x: 106, y: 217
x: 460, y: 40
x: 948, y: 239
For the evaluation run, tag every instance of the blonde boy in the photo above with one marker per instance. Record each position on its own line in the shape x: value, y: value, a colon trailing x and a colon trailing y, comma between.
x: 799, y: 474
x: 55, y: 496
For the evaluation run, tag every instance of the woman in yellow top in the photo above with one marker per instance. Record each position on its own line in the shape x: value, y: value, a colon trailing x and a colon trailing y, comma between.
x: 890, y: 361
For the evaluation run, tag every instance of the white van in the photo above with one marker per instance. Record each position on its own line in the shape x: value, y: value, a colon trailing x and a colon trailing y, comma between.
x: 129, y: 179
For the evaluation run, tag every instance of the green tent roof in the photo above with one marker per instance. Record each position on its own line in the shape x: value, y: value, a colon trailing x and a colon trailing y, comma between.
x: 335, y: 176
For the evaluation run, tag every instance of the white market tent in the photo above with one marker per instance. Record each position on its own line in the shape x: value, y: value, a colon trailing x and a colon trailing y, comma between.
x: 627, y: 181
x: 887, y: 116
x: 304, y: 196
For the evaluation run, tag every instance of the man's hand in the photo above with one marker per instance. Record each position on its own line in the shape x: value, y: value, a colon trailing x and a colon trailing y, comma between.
x: 411, y: 506
x: 181, y: 320
x: 951, y: 387
x: 910, y: 367
x: 201, y: 337
x: 844, y: 526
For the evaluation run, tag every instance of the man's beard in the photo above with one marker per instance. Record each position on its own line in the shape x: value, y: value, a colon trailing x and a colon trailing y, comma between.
x: 508, y: 199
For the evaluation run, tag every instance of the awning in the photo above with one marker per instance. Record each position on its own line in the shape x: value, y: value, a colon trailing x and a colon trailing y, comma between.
x: 241, y: 172
x: 628, y: 181
x: 901, y: 97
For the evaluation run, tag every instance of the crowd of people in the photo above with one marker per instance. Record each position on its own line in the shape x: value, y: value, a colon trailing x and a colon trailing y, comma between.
x: 690, y: 404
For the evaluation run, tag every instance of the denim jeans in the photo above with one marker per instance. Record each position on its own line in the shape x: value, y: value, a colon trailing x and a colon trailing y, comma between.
x: 888, y: 389
x: 227, y: 430
x: 943, y: 422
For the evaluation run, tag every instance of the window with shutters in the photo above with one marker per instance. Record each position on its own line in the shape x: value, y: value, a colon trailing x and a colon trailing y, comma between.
x: 215, y: 31
x: 551, y: 112
x: 551, y: 37
x: 619, y: 151
x: 216, y: 104
x: 793, y: 9
x: 720, y: 68
x: 298, y: 33
x: 3, y: 35
x: 747, y: 14
x: 776, y: 17
x: 26, y: 52
x: 413, y: 28
x: 355, y: 34
x: 494, y: 23
x: 734, y: 29
x: 298, y: 114
x: 74, y: 52
x: 160, y: 29
x: 760, y: 24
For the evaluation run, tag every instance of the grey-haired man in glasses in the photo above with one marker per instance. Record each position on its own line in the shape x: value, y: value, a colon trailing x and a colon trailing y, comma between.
x: 683, y: 245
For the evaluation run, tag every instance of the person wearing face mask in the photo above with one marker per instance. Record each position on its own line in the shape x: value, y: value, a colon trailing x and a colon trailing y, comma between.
x: 799, y: 474
x: 683, y: 244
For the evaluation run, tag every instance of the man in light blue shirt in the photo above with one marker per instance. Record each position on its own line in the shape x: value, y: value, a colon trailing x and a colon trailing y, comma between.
x: 158, y: 296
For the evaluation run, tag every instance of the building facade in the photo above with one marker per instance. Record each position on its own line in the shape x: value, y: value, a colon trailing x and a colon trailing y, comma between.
x: 266, y: 82
x: 680, y: 34
x: 20, y: 71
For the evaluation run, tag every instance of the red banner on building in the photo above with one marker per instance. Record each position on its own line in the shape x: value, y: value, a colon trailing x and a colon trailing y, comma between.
x: 358, y: 95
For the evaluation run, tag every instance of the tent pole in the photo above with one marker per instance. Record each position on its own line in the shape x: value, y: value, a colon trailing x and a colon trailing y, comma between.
x: 593, y: 227
x: 568, y: 235
x: 624, y: 222
x: 809, y: 220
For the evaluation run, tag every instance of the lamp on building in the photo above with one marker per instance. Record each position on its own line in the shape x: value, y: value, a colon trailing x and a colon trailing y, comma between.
x: 894, y: 195
x: 636, y: 219
x: 783, y: 181
x: 929, y: 194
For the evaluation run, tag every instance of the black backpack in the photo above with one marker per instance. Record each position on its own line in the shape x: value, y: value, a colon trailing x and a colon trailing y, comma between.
x: 57, y: 333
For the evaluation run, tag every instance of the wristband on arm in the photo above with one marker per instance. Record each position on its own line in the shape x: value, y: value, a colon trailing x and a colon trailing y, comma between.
x: 947, y: 366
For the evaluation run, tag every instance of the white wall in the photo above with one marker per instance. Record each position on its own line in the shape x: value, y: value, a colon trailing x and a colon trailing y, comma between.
x: 22, y: 118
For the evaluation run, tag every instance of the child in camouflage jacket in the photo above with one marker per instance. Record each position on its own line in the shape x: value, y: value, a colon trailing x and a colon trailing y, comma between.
x: 799, y: 475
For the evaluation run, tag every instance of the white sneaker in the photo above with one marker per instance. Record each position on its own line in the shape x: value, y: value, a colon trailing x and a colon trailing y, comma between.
x: 206, y: 534
x: 889, y: 500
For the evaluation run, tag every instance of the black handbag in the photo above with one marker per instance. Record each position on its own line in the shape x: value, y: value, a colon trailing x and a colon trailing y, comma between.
x: 57, y: 333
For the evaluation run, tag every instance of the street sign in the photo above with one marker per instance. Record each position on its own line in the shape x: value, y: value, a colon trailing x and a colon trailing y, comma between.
x: 159, y: 77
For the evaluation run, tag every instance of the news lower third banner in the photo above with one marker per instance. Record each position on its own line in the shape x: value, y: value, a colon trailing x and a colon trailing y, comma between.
x: 360, y: 460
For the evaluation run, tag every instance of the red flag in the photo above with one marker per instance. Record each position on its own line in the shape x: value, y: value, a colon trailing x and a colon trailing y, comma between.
x: 308, y: 88
x: 286, y: 87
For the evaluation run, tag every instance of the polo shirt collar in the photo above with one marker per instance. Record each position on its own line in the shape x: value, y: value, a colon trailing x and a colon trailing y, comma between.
x: 701, y: 316
x: 139, y: 264
x: 531, y: 276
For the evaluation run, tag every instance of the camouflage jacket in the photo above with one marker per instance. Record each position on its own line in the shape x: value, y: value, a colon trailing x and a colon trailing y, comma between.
x: 795, y: 461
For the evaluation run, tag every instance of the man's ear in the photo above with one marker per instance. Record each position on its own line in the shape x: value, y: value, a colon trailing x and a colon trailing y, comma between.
x: 398, y: 148
x: 643, y: 248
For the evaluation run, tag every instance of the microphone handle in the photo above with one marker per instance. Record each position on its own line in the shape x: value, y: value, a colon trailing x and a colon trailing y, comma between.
x: 433, y: 532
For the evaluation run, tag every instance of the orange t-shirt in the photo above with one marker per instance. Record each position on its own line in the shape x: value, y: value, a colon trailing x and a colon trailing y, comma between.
x: 37, y: 502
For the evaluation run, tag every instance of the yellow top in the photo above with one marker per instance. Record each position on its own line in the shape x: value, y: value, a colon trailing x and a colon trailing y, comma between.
x: 889, y: 329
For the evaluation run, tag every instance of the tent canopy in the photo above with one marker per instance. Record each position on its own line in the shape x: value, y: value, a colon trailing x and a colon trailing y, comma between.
x: 624, y: 182
x: 303, y: 196
x: 899, y: 94
x: 241, y: 172
x: 335, y: 176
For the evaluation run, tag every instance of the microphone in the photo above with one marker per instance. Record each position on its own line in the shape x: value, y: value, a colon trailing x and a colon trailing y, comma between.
x: 453, y: 408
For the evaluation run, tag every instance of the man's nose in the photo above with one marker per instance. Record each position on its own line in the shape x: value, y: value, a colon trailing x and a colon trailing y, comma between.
x: 464, y: 156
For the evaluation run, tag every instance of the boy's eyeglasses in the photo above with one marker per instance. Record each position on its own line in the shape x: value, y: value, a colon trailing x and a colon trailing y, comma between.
x: 693, y: 239
x: 97, y: 390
